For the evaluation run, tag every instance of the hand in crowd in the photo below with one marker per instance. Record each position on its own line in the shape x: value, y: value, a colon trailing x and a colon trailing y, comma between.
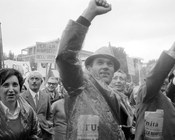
x: 96, y: 7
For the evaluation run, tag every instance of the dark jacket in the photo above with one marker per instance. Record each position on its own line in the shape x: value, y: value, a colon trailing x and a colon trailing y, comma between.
x: 92, y: 110
x: 150, y: 99
x: 29, y: 121
x: 56, y: 97
x: 170, y: 92
x: 43, y: 110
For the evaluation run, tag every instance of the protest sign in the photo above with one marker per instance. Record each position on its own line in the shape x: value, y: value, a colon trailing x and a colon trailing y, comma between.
x: 46, y: 51
x: 88, y: 127
x: 22, y: 66
x: 154, y: 124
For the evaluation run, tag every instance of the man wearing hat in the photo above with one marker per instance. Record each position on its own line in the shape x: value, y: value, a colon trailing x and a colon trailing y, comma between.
x: 91, y: 108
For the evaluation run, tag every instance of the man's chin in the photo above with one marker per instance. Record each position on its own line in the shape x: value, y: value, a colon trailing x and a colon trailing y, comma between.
x: 106, y: 80
x: 11, y: 99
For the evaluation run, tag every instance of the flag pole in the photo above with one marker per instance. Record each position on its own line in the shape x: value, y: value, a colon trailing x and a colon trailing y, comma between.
x: 1, y: 50
x: 111, y: 49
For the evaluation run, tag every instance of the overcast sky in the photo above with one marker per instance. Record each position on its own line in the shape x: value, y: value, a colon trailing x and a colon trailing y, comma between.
x: 143, y: 27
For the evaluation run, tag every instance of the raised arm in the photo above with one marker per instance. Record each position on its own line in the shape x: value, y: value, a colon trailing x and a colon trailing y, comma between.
x: 157, y: 76
x: 71, y: 43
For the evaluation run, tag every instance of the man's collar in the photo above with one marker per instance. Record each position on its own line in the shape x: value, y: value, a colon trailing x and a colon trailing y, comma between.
x: 33, y: 93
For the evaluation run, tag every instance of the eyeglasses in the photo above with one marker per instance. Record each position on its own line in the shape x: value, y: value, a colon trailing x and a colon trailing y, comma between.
x: 54, y: 84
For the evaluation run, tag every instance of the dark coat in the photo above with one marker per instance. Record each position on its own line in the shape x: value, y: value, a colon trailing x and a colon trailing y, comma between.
x: 150, y: 99
x: 43, y: 110
x: 90, y: 106
x: 56, y: 97
x: 171, y: 91
x: 29, y: 121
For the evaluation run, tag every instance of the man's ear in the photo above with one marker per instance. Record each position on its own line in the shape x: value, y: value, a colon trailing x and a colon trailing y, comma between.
x: 88, y: 67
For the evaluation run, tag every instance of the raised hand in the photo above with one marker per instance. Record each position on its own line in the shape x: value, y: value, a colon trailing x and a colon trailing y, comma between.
x: 102, y: 7
x: 96, y: 7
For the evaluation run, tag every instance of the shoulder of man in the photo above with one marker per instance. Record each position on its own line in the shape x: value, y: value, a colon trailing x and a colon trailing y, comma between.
x: 43, y: 93
x: 25, y: 93
x: 25, y: 105
x: 43, y: 90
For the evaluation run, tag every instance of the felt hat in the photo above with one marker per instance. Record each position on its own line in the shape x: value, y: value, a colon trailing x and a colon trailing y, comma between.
x: 105, y: 52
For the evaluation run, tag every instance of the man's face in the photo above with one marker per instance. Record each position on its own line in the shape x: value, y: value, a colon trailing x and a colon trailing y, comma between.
x: 102, y: 69
x: 52, y: 84
x: 164, y: 85
x: 34, y: 83
x: 119, y: 81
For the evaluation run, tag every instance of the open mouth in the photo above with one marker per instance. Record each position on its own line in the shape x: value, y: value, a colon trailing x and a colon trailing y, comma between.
x: 104, y: 74
x: 11, y: 96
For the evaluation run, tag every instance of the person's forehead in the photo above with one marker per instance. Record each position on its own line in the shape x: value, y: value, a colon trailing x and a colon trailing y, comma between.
x: 12, y: 78
x: 119, y: 74
x: 52, y: 81
x: 35, y: 75
x: 103, y: 58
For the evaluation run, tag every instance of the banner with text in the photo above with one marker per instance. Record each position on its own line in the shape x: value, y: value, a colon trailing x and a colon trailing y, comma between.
x: 154, y: 124
x: 46, y: 51
x: 22, y: 66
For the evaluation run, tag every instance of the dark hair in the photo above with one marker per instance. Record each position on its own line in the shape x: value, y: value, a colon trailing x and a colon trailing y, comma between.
x: 6, y: 73
x: 170, y: 77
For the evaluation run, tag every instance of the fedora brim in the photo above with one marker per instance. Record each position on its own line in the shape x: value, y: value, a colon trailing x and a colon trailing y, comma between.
x: 90, y: 59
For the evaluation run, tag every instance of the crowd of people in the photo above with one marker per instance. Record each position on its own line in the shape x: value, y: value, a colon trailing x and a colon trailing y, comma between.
x: 95, y: 103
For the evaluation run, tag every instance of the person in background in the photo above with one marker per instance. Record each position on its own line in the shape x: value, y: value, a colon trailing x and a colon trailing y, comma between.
x: 92, y: 110
x: 133, y: 97
x: 119, y: 85
x: 170, y: 91
x: 164, y: 85
x: 24, y: 88
x: 61, y: 90
x: 119, y: 81
x: 151, y: 99
x: 59, y: 120
x: 129, y: 89
x: 18, y: 121
x: 40, y: 102
x: 51, y: 89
